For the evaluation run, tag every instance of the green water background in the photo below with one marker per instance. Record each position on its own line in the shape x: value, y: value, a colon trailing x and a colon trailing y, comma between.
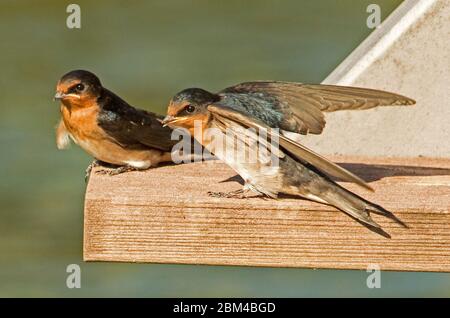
x: 146, y: 52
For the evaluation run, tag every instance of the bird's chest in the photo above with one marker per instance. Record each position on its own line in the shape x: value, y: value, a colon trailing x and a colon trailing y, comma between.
x: 85, y: 132
x: 82, y: 127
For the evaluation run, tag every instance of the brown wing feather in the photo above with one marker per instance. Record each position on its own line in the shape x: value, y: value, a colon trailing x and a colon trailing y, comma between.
x: 298, y: 150
x: 306, y: 102
x: 332, y: 98
x: 239, y: 132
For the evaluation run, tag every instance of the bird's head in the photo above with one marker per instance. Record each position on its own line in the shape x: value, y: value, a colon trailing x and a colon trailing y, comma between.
x: 78, y: 89
x: 188, y: 106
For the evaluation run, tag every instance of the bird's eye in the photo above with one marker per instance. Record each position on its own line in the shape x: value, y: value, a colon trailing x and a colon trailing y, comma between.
x: 189, y: 108
x: 79, y: 87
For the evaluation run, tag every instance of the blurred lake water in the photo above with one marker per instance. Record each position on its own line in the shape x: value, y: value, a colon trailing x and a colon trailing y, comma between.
x: 146, y: 51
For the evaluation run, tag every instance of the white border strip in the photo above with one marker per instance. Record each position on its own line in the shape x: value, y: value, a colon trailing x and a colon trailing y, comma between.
x: 379, y: 41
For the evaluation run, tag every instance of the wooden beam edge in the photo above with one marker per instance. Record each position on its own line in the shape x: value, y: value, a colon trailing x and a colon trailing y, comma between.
x: 430, y: 222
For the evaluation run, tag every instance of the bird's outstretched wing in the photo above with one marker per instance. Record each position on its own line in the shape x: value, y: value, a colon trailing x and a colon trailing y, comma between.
x: 131, y: 127
x: 298, y: 107
x: 226, y: 114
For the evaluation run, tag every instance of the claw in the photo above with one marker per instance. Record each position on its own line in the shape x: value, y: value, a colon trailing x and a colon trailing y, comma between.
x: 116, y: 171
x: 238, y: 194
x: 89, y: 168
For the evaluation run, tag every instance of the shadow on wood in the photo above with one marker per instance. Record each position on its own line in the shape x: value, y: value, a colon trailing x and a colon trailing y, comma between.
x: 370, y: 173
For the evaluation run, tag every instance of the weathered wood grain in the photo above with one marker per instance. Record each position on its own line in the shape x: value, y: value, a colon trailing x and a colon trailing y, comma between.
x: 164, y: 215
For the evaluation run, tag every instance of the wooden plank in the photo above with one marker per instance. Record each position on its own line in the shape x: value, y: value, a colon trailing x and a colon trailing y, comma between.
x: 164, y: 215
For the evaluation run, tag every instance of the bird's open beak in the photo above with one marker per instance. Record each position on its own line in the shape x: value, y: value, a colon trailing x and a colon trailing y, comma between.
x: 59, y: 96
x: 168, y: 120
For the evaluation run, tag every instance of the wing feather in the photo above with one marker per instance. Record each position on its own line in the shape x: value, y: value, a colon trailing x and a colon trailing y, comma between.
x: 250, y: 138
x: 132, y: 127
x: 301, y: 152
x: 307, y: 102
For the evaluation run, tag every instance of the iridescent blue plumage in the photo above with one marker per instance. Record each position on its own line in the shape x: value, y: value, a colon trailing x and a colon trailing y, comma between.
x: 257, y: 105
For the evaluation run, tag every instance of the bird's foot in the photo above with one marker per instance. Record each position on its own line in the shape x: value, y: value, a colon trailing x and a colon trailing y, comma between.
x: 237, y: 194
x: 116, y: 171
x: 89, y: 168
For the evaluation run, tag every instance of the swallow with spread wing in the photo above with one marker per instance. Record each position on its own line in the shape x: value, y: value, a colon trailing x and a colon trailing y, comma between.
x: 107, y: 127
x: 295, y: 109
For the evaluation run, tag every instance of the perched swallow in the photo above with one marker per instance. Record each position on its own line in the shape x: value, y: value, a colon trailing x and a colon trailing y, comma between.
x: 108, y: 128
x: 295, y: 109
